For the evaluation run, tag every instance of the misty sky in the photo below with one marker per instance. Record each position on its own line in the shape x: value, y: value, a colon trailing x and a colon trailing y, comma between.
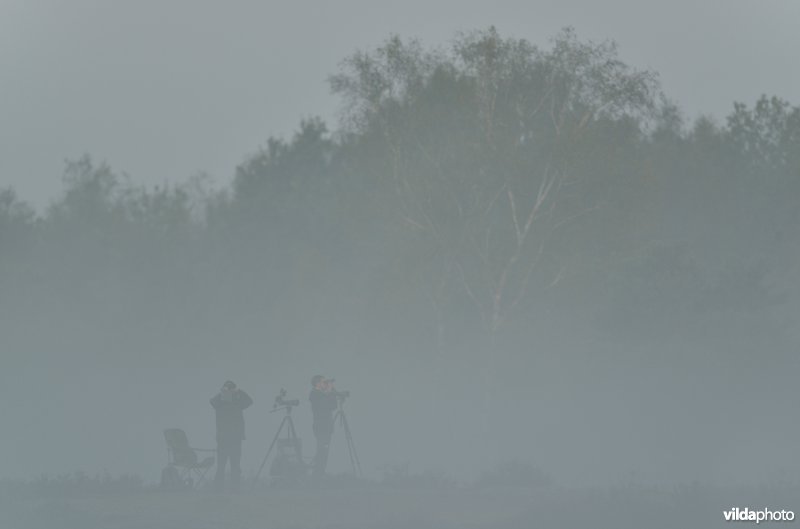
x: 165, y: 90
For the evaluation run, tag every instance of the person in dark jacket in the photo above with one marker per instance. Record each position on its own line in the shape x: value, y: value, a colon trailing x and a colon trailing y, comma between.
x: 229, y: 404
x: 323, y: 404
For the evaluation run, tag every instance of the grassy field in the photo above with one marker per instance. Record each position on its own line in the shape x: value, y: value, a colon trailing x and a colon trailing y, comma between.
x: 374, y: 506
x: 510, y: 498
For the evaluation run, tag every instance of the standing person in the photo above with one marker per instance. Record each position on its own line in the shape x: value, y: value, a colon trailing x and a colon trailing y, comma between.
x: 323, y: 404
x: 229, y: 404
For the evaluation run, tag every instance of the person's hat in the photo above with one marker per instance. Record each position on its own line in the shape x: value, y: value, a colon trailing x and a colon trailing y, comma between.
x: 229, y: 385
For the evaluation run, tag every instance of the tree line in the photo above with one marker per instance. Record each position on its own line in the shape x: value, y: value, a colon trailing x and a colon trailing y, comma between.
x: 488, y: 193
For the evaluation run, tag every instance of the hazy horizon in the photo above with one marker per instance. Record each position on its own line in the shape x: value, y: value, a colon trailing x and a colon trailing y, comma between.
x: 555, y: 265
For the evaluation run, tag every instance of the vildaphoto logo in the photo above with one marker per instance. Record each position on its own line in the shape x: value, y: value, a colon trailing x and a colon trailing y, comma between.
x: 764, y: 515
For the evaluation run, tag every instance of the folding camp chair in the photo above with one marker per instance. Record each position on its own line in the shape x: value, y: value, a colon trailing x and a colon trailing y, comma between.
x: 183, y: 458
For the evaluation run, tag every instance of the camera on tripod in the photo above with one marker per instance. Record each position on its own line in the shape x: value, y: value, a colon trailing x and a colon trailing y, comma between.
x: 341, y: 395
x: 282, y: 402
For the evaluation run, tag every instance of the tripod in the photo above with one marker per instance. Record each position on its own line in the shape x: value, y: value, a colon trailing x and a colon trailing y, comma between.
x: 341, y: 418
x: 291, y: 435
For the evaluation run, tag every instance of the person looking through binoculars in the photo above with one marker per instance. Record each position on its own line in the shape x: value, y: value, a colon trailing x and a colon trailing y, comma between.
x: 228, y: 405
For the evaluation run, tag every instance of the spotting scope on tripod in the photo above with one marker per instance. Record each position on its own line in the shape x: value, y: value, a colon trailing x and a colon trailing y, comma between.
x: 288, y: 462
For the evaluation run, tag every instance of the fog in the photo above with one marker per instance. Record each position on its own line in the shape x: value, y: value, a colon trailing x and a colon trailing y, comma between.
x: 166, y: 91
x: 558, y: 293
